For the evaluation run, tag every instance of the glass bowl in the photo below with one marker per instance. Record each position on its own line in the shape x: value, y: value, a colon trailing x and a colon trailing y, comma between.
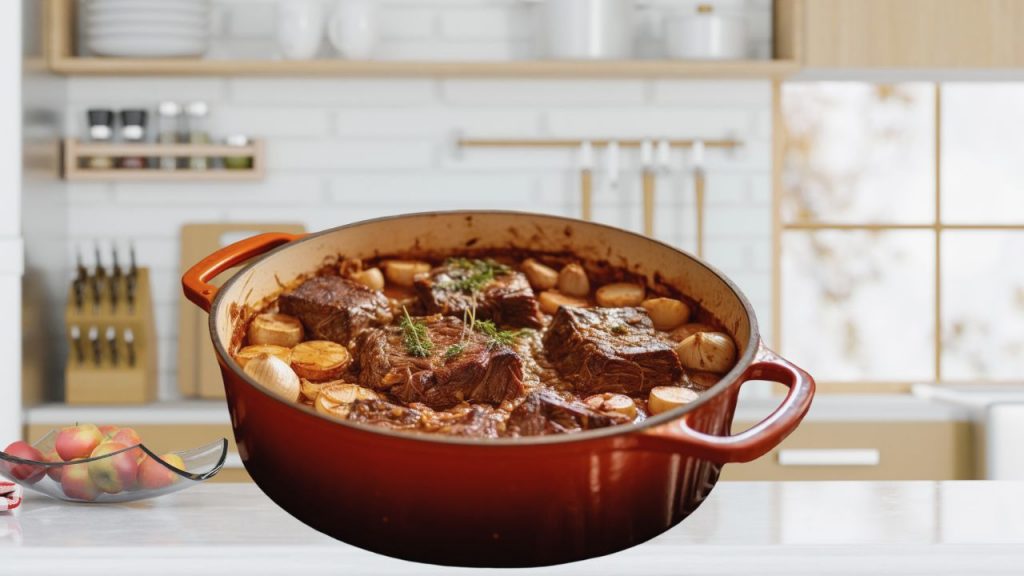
x: 74, y: 480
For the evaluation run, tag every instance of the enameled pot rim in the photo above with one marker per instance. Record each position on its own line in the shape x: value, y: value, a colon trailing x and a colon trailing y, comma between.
x: 727, y: 381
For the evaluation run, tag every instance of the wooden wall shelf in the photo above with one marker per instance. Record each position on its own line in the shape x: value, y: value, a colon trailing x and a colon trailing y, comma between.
x: 74, y: 152
x: 496, y: 69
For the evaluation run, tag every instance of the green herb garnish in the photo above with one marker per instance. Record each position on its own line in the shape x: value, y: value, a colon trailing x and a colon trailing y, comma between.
x: 470, y: 276
x: 453, y: 351
x: 620, y: 329
x: 498, y: 337
x: 416, y: 337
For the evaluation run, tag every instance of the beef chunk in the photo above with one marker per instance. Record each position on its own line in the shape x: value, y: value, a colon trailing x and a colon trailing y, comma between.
x: 386, y: 414
x: 545, y: 412
x: 609, y: 350
x: 502, y: 294
x: 336, y: 309
x: 479, y: 372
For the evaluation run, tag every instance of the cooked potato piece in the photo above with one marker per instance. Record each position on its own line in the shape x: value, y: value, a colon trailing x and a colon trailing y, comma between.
x: 336, y: 399
x: 664, y: 398
x: 273, y: 373
x: 276, y: 329
x: 686, y: 330
x: 372, y: 278
x: 666, y: 313
x: 319, y: 360
x: 707, y: 352
x: 550, y: 301
x: 404, y: 272
x: 609, y: 402
x: 541, y: 277
x: 246, y: 354
x: 573, y: 281
x: 619, y: 295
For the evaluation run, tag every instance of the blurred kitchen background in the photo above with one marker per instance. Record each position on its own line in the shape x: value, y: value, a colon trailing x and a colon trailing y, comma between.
x: 855, y: 173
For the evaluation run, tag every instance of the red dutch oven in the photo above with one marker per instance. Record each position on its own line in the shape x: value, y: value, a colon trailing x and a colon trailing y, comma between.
x: 500, y: 502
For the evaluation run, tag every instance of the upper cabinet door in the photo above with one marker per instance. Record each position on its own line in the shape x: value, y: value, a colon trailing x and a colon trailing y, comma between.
x: 911, y: 33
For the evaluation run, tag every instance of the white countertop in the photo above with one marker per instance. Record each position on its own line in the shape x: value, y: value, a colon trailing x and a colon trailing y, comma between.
x: 934, y: 528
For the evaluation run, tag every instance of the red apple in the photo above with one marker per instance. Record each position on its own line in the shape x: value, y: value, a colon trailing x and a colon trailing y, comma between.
x: 77, y: 484
x: 127, y: 436
x: 108, y: 431
x: 27, y: 473
x: 53, y: 471
x: 153, y: 474
x: 76, y: 442
x: 114, y: 473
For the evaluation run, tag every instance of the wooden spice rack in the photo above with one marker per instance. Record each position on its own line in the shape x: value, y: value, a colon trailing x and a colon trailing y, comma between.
x: 86, y: 382
x: 75, y: 155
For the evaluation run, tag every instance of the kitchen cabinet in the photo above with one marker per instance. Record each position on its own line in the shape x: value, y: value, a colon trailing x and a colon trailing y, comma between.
x: 944, y: 34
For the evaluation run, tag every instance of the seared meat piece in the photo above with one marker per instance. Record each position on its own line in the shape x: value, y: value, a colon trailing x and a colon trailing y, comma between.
x: 502, y: 294
x: 610, y: 350
x: 336, y: 309
x: 479, y: 372
x: 386, y: 414
x: 545, y: 412
x: 476, y: 421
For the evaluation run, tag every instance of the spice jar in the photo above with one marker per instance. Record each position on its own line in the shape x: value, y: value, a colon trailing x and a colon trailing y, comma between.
x: 197, y: 113
x: 169, y: 130
x: 101, y: 129
x: 242, y: 162
x: 133, y: 131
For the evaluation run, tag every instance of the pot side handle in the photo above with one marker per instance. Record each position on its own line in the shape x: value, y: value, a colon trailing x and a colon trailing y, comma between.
x: 763, y: 436
x: 195, y: 282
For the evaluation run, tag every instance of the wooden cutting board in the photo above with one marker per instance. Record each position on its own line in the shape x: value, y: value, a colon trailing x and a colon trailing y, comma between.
x: 198, y: 372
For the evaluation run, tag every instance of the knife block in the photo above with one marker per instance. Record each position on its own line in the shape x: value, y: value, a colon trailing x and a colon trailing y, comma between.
x: 85, y: 381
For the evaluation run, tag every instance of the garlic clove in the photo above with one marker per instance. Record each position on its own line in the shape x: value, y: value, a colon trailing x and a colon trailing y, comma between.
x: 541, y: 277
x: 686, y: 330
x: 405, y: 272
x: 573, y: 281
x: 707, y: 352
x: 275, y: 375
x: 372, y: 278
x: 550, y: 301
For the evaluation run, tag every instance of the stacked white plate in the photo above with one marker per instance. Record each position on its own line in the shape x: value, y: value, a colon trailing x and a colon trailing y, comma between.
x: 147, y: 28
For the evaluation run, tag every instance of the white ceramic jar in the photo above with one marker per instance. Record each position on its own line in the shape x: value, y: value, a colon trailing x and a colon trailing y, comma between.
x: 588, y: 29
x: 300, y: 28
x: 705, y: 35
x: 353, y: 28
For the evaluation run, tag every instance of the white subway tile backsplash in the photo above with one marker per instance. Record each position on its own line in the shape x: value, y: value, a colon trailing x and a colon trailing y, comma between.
x: 335, y: 155
x: 341, y: 150
x: 704, y: 93
x: 331, y: 91
x: 146, y: 92
x: 543, y: 92
x: 438, y: 122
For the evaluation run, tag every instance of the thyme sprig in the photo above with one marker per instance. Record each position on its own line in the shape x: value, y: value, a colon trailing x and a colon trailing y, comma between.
x: 499, y: 337
x: 415, y: 336
x: 471, y: 276
x: 454, y: 350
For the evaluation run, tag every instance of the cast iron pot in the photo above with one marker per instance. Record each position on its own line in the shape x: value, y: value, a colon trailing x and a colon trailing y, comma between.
x: 504, y: 502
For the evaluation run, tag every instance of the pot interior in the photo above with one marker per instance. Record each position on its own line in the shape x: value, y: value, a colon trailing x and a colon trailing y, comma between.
x: 452, y: 232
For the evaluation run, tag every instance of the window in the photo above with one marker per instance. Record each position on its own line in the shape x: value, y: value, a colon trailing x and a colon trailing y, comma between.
x: 902, y: 233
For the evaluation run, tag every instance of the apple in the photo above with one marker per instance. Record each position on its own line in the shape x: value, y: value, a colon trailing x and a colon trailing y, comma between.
x: 127, y: 436
x: 27, y: 473
x: 108, y: 431
x: 77, y: 483
x: 53, y: 471
x: 114, y: 473
x: 76, y: 442
x: 153, y: 474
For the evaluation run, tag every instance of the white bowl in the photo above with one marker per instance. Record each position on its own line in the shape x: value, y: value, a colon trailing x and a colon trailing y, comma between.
x: 177, y: 19
x: 146, y: 6
x: 146, y: 30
